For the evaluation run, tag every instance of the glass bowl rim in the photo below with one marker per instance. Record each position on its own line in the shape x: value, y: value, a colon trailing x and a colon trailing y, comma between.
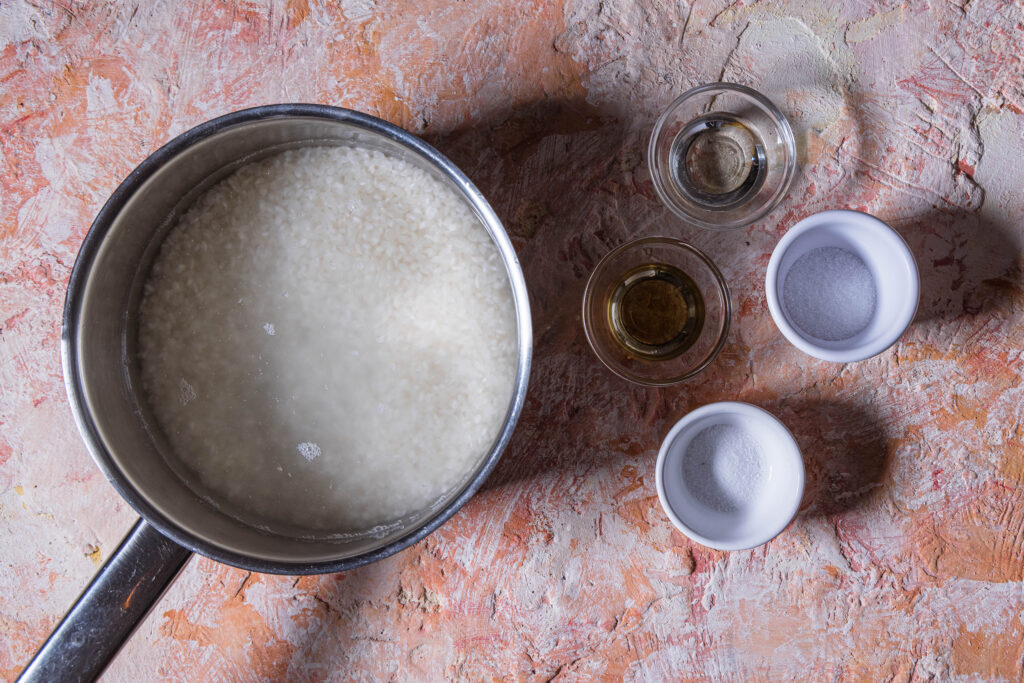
x: 773, y: 112
x: 588, y: 296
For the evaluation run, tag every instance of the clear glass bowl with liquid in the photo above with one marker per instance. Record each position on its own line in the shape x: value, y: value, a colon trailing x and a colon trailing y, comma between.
x: 722, y: 156
x: 656, y: 311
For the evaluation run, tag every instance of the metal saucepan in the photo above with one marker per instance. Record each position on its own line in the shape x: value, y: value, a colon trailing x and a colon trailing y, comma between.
x: 102, y: 379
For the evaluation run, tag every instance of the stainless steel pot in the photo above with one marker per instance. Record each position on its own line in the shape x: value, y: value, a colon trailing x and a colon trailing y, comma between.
x: 101, y: 376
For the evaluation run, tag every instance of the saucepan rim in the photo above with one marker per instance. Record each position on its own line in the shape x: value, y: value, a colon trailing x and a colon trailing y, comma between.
x: 75, y: 383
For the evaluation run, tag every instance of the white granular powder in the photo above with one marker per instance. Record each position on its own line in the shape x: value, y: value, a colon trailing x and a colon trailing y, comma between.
x: 388, y: 367
x: 723, y: 468
x: 310, y: 451
x: 830, y: 294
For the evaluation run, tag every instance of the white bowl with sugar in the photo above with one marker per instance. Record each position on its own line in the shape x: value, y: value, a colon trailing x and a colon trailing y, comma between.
x: 730, y: 476
x: 842, y: 286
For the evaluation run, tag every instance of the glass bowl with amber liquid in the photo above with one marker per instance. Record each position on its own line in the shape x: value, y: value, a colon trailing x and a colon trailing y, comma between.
x: 656, y: 311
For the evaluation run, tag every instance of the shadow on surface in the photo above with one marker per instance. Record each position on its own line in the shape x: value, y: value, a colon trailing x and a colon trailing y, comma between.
x: 546, y: 168
x: 967, y: 262
x: 845, y: 452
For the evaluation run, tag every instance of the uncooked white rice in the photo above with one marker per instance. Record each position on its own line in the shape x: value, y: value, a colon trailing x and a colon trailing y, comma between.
x: 328, y: 339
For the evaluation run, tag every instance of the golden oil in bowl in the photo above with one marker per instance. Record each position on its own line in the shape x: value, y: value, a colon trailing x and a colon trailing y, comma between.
x: 656, y: 311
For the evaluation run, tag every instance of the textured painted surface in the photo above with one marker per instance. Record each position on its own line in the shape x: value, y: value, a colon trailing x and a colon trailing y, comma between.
x: 907, y: 560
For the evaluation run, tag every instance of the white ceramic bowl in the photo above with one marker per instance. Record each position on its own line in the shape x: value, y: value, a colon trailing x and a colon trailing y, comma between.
x: 886, y: 256
x: 740, y: 523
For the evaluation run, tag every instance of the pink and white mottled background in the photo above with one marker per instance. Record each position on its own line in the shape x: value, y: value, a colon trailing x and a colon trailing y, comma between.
x: 907, y: 560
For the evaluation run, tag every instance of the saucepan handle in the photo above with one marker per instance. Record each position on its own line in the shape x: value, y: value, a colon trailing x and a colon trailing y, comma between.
x: 109, y: 610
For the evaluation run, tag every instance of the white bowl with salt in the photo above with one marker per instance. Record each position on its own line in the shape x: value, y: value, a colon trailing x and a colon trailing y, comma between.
x: 842, y: 286
x: 730, y: 476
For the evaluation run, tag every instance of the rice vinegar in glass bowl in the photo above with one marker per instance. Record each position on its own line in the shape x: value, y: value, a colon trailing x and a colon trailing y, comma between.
x: 722, y: 156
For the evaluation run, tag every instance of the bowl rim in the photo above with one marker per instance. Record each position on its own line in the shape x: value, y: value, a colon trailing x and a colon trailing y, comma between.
x: 789, y: 172
x: 746, y: 411
x: 862, y: 221
x: 74, y: 300
x: 588, y: 295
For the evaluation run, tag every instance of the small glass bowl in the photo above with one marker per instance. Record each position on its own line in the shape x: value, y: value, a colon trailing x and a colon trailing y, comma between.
x: 738, y: 146
x: 608, y: 278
